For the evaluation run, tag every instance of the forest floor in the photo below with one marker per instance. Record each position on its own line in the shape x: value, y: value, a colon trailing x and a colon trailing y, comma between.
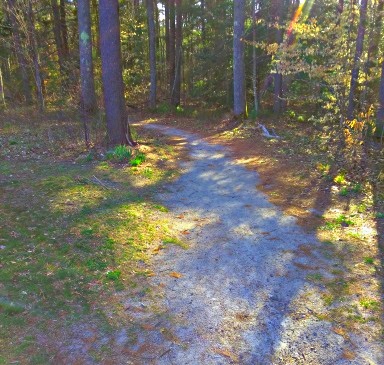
x: 190, y: 257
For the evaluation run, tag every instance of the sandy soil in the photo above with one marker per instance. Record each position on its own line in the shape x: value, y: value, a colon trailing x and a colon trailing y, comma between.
x: 243, y: 291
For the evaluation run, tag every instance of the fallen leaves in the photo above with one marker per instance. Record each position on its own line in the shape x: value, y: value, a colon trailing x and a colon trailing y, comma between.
x: 175, y: 275
x: 226, y: 353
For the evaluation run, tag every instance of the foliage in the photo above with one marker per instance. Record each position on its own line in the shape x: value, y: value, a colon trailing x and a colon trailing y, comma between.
x: 120, y: 153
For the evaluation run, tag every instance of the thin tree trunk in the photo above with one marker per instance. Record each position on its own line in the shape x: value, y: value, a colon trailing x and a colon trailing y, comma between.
x: 96, y: 34
x: 202, y: 9
x: 278, y: 77
x: 152, y: 53
x: 254, y: 59
x: 64, y: 29
x: 238, y: 59
x: 356, y: 61
x: 176, y: 88
x: 111, y: 65
x: 19, y: 51
x: 2, y: 89
x: 88, y: 96
x: 58, y: 39
x: 166, y: 25
x: 172, y: 34
x: 380, y: 111
x: 35, y: 56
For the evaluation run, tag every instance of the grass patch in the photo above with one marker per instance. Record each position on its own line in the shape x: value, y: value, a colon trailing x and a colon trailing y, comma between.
x: 63, y: 225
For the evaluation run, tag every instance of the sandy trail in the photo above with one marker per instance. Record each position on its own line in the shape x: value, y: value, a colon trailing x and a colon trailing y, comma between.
x: 244, y: 295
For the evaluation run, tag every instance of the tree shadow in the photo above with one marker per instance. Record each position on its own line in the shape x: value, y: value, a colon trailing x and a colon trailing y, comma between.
x: 246, y: 283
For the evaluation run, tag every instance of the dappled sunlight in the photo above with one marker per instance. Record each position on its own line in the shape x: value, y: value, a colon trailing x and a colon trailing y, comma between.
x: 239, y: 239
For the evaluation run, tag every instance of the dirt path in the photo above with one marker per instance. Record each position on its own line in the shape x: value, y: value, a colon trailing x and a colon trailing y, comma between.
x: 242, y: 293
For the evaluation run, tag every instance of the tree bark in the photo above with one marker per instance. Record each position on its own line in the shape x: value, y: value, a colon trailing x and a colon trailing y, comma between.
x: 278, y: 77
x: 35, y: 56
x: 111, y: 65
x: 2, y: 93
x: 176, y: 88
x: 64, y: 29
x: 19, y: 51
x: 96, y: 34
x: 166, y: 25
x: 58, y: 38
x: 202, y: 9
x: 88, y: 102
x: 380, y: 111
x: 88, y: 96
x: 172, y: 42
x: 152, y: 53
x: 238, y: 59
x: 254, y: 59
x: 356, y: 61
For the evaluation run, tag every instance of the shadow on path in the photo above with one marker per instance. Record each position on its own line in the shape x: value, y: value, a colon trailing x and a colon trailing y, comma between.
x: 245, y: 295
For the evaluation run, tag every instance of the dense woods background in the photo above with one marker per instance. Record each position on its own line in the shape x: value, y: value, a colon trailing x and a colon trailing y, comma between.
x: 320, y: 59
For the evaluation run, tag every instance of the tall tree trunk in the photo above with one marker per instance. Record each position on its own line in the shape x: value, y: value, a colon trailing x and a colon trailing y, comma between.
x: 2, y: 93
x: 152, y: 53
x: 166, y: 25
x: 59, y: 39
x: 277, y: 76
x: 380, y: 111
x: 111, y: 65
x: 64, y: 29
x: 21, y: 59
x: 172, y: 41
x: 176, y: 88
x: 356, y: 61
x: 254, y: 59
x: 202, y: 9
x: 95, y: 9
x: 35, y: 56
x: 238, y: 59
x: 88, y: 96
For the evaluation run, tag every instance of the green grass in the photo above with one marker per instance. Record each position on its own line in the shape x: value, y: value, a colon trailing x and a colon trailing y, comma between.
x: 69, y: 243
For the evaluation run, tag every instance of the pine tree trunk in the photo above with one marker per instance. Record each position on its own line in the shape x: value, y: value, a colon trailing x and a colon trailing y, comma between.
x: 172, y: 42
x: 111, y: 65
x: 202, y: 8
x: 35, y: 56
x: 64, y: 29
x: 278, y: 77
x: 2, y: 93
x: 356, y: 61
x: 166, y: 25
x: 380, y: 111
x: 57, y: 32
x: 176, y: 88
x: 254, y: 59
x: 238, y: 59
x: 23, y: 69
x: 152, y: 53
x: 95, y: 9
x: 88, y: 96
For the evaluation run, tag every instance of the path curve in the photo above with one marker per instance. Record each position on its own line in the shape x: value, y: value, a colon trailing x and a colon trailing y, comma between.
x: 244, y: 295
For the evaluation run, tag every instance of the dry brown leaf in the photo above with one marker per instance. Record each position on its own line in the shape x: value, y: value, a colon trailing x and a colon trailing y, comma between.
x: 186, y: 232
x: 227, y: 353
x: 348, y: 355
x: 151, y: 273
x: 339, y: 331
x: 158, y: 248
x: 148, y: 327
x: 175, y: 274
x: 181, y: 216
